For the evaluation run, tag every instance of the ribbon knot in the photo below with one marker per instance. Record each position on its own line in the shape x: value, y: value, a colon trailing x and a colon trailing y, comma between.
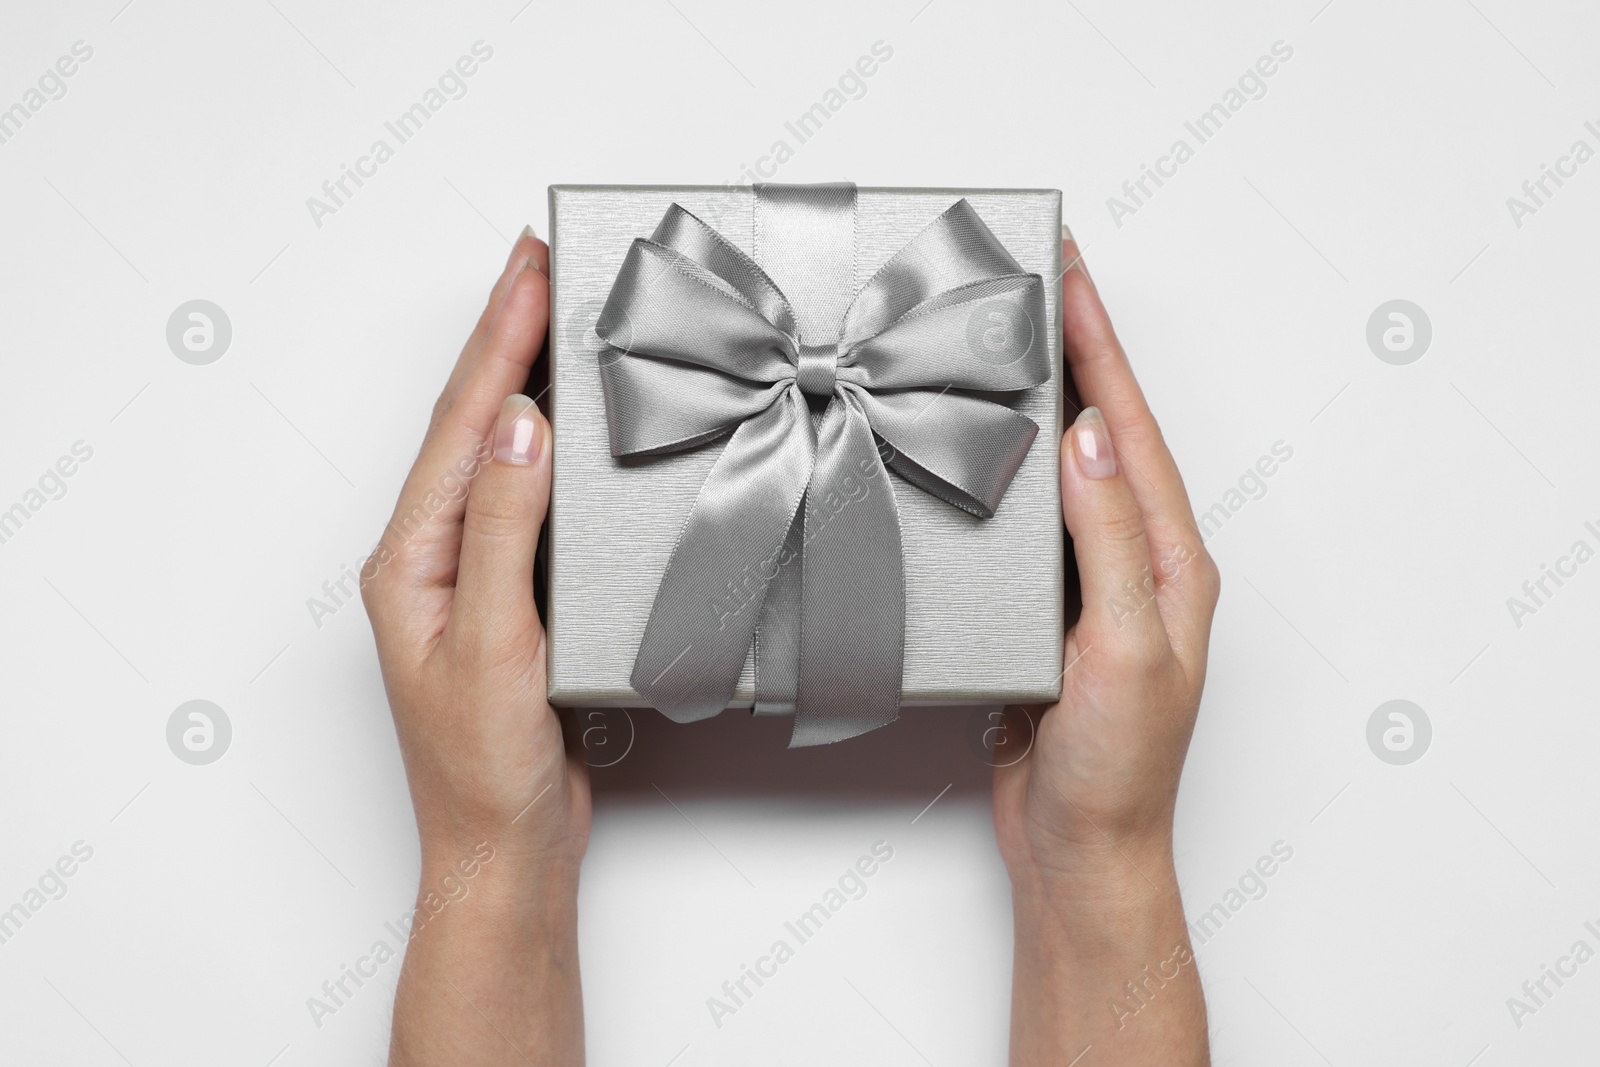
x: 818, y: 370
x: 793, y: 545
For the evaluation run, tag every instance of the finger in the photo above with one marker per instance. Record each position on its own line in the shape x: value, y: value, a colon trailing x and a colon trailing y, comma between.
x: 505, y: 511
x: 1108, y: 536
x: 476, y: 390
x: 433, y: 499
x: 1105, y: 380
x: 1184, y: 573
x: 525, y: 248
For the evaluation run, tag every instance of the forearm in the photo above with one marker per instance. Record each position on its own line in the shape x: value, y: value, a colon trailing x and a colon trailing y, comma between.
x: 491, y: 976
x: 1103, y: 961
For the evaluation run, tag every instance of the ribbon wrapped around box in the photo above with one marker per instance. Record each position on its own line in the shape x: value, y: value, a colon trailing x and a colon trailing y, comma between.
x: 806, y: 341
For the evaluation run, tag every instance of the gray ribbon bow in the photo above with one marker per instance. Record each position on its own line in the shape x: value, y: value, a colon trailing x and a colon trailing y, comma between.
x: 794, y: 540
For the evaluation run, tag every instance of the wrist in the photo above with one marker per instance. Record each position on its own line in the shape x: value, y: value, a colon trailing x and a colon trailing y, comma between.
x: 1100, y: 862
x: 1109, y: 896
x: 1102, y: 957
x: 531, y: 850
x: 493, y: 940
x: 477, y: 877
x: 1128, y: 876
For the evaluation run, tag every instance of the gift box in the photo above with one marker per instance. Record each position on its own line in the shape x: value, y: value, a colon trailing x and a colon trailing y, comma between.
x: 794, y: 435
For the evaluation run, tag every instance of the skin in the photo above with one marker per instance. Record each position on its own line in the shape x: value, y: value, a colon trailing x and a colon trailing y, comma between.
x: 492, y: 977
x: 1084, y: 821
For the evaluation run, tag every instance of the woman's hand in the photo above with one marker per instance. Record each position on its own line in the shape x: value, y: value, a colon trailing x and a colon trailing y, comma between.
x: 1084, y: 820
x: 502, y: 810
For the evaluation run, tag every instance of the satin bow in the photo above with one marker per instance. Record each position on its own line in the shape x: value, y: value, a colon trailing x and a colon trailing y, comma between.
x: 794, y: 539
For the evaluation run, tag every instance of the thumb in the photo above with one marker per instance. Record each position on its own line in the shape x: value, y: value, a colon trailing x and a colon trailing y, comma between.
x: 505, y: 511
x: 1108, y: 537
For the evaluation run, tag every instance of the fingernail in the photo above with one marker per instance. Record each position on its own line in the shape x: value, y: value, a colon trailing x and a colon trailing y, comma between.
x: 1092, y: 445
x: 1076, y: 262
x: 516, y: 248
x: 518, y: 437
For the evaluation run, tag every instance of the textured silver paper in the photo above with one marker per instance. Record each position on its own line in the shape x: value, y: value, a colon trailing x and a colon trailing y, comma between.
x: 984, y: 597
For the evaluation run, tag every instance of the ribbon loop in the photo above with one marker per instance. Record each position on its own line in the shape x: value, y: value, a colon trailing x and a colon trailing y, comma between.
x: 961, y: 449
x: 793, y: 544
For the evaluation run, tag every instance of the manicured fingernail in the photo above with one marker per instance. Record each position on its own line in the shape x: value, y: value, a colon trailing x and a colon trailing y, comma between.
x: 516, y: 249
x: 1092, y: 445
x: 1076, y: 262
x: 518, y: 437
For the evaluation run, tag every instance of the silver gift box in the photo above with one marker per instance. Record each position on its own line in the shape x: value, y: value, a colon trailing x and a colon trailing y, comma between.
x: 984, y: 597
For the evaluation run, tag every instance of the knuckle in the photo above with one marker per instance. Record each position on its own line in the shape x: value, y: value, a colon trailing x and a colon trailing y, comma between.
x: 375, y: 587
x: 390, y: 568
x: 1131, y: 659
x: 498, y: 513
x: 441, y: 408
x: 1144, y: 433
x: 377, y: 573
x: 1208, y: 576
x: 1122, y: 525
x: 502, y: 647
x: 373, y: 571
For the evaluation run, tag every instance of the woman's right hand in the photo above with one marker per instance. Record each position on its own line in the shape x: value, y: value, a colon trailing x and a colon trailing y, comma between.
x: 502, y: 810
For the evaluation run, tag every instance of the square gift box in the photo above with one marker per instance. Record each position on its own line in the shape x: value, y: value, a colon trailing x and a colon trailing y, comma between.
x: 983, y: 597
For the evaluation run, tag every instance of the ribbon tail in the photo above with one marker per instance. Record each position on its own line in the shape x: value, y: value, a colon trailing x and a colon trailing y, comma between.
x: 852, y: 639
x: 777, y: 655
x: 707, y: 606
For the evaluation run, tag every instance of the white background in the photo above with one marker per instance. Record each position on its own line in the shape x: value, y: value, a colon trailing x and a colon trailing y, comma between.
x: 1377, y: 565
